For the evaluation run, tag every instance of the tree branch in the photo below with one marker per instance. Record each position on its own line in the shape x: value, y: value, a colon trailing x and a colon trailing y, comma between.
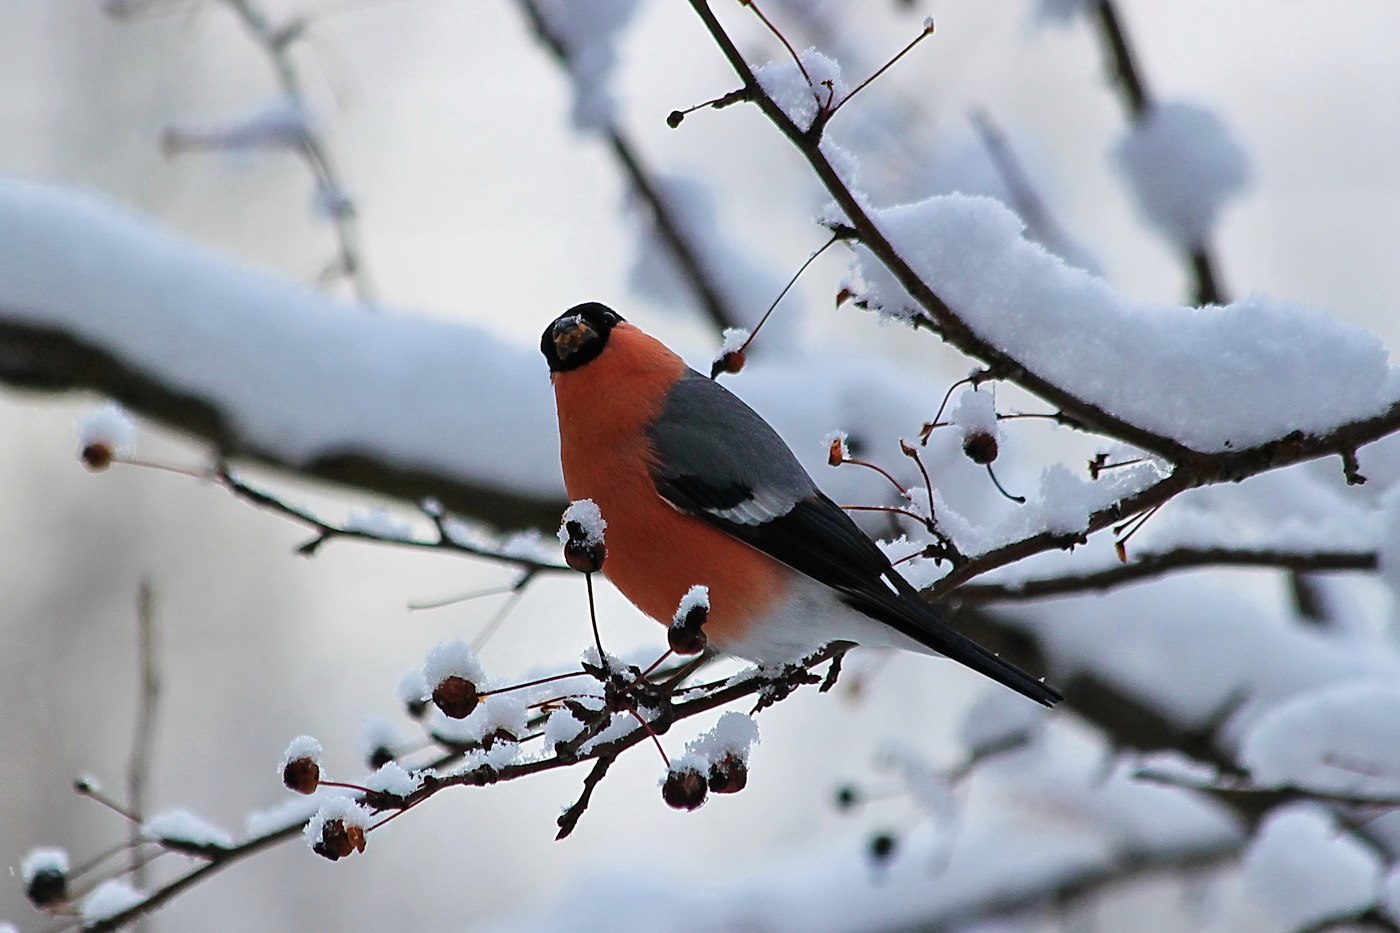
x: 1138, y: 101
x: 1148, y: 565
x: 939, y: 317
x: 683, y: 252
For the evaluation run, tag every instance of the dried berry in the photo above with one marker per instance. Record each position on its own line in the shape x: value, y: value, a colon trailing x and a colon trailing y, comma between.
x: 980, y: 447
x: 456, y: 697
x: 729, y: 775
x: 302, y: 775
x: 47, y: 887
x: 380, y: 756
x: 686, y: 639
x: 97, y: 456
x: 583, y: 552
x: 684, y: 789
x: 339, y: 840
x: 882, y: 846
x: 686, y: 634
x: 731, y: 361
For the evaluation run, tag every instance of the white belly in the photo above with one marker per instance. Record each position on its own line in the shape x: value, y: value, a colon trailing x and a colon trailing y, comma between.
x: 808, y: 618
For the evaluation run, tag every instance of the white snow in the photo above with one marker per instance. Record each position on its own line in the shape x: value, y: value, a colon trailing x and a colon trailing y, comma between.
x: 1173, y: 766
x: 974, y: 412
x: 997, y: 718
x: 303, y: 746
x: 293, y: 812
x: 589, y: 31
x: 301, y: 375
x: 336, y: 808
x: 43, y: 859
x: 412, y: 688
x: 561, y: 727
x: 734, y: 733
x: 108, y: 899
x: 108, y: 424
x: 380, y: 522
x: 1391, y: 894
x: 376, y: 732
x: 734, y: 339
x: 1182, y: 166
x: 1212, y: 378
x: 393, y: 779
x: 498, y: 712
x: 783, y: 81
x: 184, y: 826
x: 586, y: 514
x: 453, y: 659
x: 1302, y: 869
x: 695, y: 597
x: 1342, y: 737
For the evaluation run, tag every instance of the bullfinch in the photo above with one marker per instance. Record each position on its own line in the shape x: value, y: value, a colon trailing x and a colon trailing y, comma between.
x: 697, y: 489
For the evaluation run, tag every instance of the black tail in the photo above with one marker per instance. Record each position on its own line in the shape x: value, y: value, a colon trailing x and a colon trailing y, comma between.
x: 911, y: 614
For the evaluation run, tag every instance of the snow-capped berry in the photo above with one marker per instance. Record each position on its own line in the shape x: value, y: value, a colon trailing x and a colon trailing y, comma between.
x: 105, y: 434
x: 684, y: 789
x: 456, y: 697
x: 731, y: 362
x: 685, y: 634
x: 585, y: 558
x: 301, y: 765
x: 96, y: 456
x: 339, y: 839
x: 302, y: 775
x: 581, y: 533
x: 729, y: 775
x: 686, y: 639
x: 45, y: 874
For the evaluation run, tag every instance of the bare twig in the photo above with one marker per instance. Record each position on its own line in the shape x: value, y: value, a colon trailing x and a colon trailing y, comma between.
x: 325, y: 531
x: 1146, y: 566
x: 1139, y: 101
x: 275, y: 43
x: 1226, y: 788
x: 139, y: 765
x: 669, y: 227
x: 570, y: 817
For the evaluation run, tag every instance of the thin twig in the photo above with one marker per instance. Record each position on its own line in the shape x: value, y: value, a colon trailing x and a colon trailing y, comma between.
x: 570, y: 817
x: 1139, y: 102
x: 275, y: 43
x: 686, y: 254
x: 139, y: 764
x: 1146, y: 566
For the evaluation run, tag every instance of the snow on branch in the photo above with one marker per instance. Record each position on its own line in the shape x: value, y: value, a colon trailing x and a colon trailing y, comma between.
x: 93, y: 297
x: 1068, y: 338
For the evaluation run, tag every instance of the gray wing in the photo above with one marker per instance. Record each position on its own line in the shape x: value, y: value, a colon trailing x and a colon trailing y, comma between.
x: 716, y: 457
x: 719, y: 461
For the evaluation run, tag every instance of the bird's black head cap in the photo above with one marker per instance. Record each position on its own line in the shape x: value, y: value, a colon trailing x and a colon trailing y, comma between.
x: 578, y: 335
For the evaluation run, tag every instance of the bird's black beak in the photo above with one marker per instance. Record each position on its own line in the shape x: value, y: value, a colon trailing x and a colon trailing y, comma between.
x: 570, y: 334
x: 578, y: 336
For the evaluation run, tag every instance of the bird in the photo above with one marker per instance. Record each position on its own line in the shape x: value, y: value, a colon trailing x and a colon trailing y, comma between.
x: 697, y: 489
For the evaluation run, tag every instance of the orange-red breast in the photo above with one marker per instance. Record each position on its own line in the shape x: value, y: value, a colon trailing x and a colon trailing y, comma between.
x: 696, y: 488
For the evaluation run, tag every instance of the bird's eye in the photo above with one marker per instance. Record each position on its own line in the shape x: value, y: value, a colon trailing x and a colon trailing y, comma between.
x: 611, y: 317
